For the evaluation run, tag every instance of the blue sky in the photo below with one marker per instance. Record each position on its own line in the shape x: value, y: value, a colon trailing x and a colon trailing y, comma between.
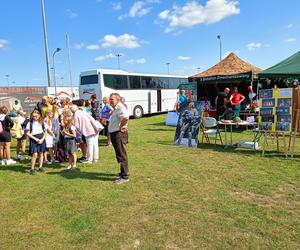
x: 148, y: 33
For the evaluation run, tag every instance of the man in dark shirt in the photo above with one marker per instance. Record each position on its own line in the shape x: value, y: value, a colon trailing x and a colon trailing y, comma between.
x: 221, y: 102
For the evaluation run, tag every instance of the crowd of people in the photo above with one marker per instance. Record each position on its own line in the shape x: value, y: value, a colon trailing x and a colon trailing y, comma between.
x: 56, y: 129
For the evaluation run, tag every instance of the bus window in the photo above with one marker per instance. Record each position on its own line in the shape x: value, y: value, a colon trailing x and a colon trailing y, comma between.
x: 146, y: 82
x: 92, y: 79
x: 135, y: 82
x: 115, y: 81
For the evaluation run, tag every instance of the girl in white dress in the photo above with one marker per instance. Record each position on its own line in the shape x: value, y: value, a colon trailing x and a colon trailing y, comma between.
x: 49, y: 138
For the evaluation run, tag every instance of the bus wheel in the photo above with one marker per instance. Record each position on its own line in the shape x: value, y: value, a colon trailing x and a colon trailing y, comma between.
x: 138, y: 112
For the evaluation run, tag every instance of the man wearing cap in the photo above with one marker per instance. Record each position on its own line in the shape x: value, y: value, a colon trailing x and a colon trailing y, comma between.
x: 117, y: 128
x: 221, y: 102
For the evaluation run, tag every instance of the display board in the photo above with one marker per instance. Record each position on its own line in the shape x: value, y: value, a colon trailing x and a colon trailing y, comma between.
x: 189, y: 120
x: 275, y: 112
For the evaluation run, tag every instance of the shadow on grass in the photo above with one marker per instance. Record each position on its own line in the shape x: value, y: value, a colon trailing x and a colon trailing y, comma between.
x: 159, y: 129
x: 158, y: 124
x: 236, y: 150
x: 85, y: 175
x: 15, y: 168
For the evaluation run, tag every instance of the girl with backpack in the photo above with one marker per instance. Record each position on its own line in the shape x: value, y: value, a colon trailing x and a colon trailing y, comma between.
x: 21, y: 142
x: 37, y: 144
x: 5, y: 136
x: 69, y: 134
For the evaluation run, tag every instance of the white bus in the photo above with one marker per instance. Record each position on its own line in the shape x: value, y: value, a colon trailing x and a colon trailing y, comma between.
x: 143, y: 93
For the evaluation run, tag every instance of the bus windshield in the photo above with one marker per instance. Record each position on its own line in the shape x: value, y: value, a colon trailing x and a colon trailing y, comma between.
x: 91, y: 79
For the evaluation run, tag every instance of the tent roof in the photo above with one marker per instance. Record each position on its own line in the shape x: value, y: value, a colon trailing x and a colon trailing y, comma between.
x: 288, y: 67
x: 231, y: 65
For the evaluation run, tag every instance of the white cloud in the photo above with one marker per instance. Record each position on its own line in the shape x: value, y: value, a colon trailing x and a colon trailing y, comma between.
x: 140, y: 61
x: 102, y: 58
x: 289, y: 26
x: 3, y: 43
x: 79, y: 45
x: 184, y: 58
x: 123, y: 41
x: 290, y: 40
x: 93, y: 46
x: 193, y: 13
x: 253, y: 46
x: 71, y: 13
x: 117, y: 6
x: 139, y: 9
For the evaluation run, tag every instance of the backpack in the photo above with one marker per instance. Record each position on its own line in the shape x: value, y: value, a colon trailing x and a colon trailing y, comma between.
x: 78, y: 138
x: 17, y: 130
x: 1, y: 128
x: 61, y: 155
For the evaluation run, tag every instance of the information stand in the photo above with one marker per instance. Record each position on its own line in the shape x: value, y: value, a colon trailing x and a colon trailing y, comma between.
x: 295, y: 120
x: 275, y: 116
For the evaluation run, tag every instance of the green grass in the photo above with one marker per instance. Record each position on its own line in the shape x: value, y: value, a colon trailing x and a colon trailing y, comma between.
x: 177, y: 198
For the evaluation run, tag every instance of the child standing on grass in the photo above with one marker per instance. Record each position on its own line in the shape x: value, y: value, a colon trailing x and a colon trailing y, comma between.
x: 37, y: 145
x: 48, y: 122
x: 69, y: 133
x: 21, y: 142
x: 5, y: 136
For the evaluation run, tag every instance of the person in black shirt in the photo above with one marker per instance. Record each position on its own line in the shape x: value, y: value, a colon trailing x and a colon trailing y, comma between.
x: 221, y: 102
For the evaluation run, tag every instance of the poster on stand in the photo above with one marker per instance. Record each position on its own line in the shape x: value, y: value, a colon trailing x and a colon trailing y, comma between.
x: 275, y: 110
x: 189, y: 120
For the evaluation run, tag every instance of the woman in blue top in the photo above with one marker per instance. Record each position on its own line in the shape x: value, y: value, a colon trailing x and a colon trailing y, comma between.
x: 105, y: 116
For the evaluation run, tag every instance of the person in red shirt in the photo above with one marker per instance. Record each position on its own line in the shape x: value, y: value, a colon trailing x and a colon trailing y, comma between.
x: 235, y: 100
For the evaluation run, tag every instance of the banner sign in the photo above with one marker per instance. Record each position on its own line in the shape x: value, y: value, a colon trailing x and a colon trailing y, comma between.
x: 247, y: 75
x: 189, y: 120
x: 27, y: 96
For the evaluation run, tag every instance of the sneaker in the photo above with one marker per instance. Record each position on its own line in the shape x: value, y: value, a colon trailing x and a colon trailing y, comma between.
x: 82, y: 158
x: 3, y: 162
x: 86, y: 161
x: 55, y: 161
x: 10, y: 161
x: 49, y: 162
x: 69, y: 167
x: 42, y: 170
x: 23, y: 157
x: 121, y: 180
x: 31, y: 172
x: 18, y: 157
x: 73, y: 169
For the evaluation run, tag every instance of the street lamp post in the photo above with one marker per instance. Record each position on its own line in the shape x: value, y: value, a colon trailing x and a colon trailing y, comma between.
x: 54, y: 76
x: 46, y: 43
x: 168, y: 67
x: 118, y: 56
x: 219, y: 37
x: 7, y: 80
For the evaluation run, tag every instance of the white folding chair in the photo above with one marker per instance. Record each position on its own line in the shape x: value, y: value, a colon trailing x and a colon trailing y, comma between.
x: 210, y: 127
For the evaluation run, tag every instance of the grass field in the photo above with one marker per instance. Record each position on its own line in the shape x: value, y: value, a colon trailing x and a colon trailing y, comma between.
x: 177, y: 198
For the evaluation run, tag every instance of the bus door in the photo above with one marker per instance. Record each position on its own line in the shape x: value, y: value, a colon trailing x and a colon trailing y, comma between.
x: 152, y: 101
x: 158, y: 100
